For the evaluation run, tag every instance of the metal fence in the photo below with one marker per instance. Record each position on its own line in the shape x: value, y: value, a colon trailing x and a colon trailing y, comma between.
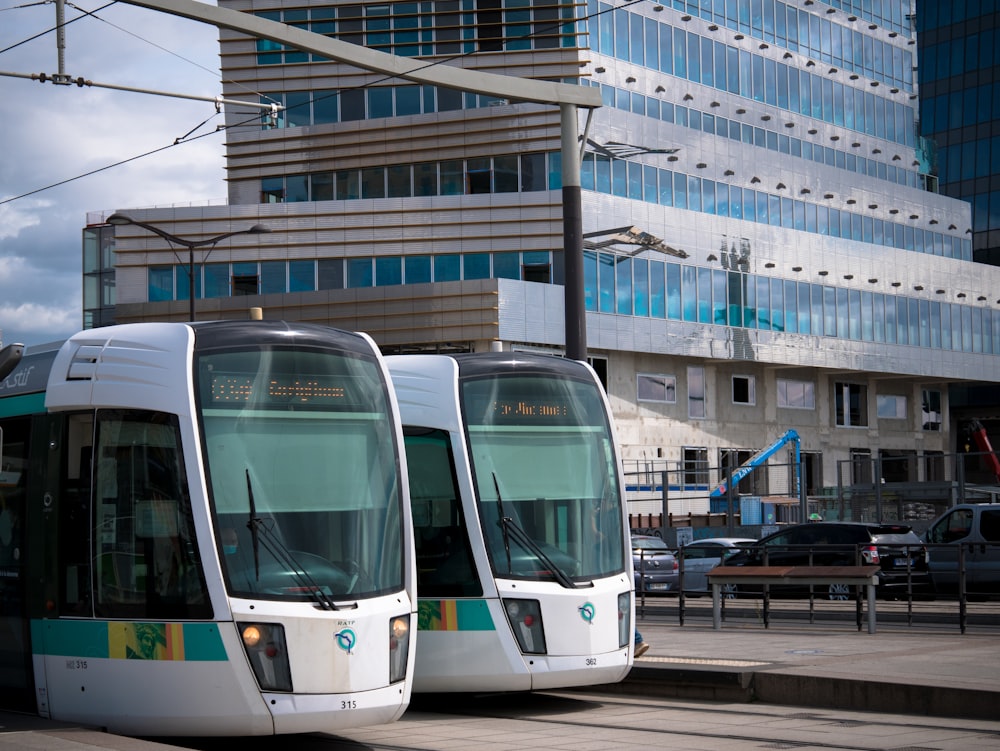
x: 914, y: 489
x: 963, y: 593
x: 706, y: 502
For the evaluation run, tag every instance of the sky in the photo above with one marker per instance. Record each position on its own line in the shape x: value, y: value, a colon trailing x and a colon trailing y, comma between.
x: 50, y: 135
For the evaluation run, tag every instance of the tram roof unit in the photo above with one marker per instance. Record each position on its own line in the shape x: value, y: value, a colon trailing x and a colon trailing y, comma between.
x: 107, y: 364
x: 418, y: 379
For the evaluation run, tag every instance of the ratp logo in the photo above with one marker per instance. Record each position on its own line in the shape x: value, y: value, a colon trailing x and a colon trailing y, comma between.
x: 587, y: 612
x: 346, y: 639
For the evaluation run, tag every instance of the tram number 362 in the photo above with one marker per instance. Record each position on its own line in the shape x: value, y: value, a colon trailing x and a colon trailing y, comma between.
x: 591, y: 662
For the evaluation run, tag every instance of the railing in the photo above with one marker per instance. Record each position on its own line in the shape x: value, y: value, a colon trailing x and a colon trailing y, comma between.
x: 964, y: 591
x: 912, y: 489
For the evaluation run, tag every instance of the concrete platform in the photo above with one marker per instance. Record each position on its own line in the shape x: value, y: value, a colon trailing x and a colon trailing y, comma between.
x: 900, y: 670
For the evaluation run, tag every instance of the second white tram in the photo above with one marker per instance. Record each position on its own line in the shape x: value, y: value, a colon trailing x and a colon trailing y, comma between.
x: 204, y: 530
x: 524, y: 565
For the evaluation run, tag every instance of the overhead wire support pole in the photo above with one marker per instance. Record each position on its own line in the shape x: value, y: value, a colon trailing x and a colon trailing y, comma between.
x: 576, y: 312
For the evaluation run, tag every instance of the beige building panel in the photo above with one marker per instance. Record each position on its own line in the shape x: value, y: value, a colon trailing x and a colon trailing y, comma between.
x: 466, y: 312
x: 285, y: 151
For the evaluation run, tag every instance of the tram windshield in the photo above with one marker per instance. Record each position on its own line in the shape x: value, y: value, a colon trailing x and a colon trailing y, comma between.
x: 544, y: 466
x: 303, y: 473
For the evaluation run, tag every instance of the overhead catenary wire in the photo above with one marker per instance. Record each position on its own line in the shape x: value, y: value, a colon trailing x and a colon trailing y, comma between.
x: 256, y: 117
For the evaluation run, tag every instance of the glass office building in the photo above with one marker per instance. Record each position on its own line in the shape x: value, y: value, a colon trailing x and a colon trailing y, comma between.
x: 959, y: 48
x: 764, y: 246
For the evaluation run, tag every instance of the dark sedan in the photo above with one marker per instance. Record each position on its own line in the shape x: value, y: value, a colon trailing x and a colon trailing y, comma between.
x: 895, y: 548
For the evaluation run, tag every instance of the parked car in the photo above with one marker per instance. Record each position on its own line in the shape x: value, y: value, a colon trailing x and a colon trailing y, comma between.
x: 656, y: 569
x: 975, y: 528
x: 701, y: 556
x: 895, y: 548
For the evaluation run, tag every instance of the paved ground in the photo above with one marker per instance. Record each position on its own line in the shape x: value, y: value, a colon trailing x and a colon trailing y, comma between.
x: 922, y: 673
x: 897, y: 669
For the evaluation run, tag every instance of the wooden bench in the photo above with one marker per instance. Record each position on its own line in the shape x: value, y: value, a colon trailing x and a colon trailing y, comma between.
x: 866, y: 576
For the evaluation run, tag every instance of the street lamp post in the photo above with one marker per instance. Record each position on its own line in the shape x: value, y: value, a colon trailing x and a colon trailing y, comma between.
x: 122, y: 219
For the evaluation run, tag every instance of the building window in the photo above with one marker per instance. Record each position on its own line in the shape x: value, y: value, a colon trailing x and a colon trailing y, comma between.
x: 600, y: 366
x: 891, y: 407
x: 244, y: 284
x: 930, y: 413
x: 388, y: 271
x: 330, y: 273
x: 851, y: 405
x: 274, y: 277
x: 245, y: 280
x: 696, y: 392
x: 417, y: 269
x: 161, y: 283
x: 695, y: 466
x: 744, y: 390
x: 933, y: 462
x: 656, y: 388
x: 796, y: 394
x: 301, y: 276
x: 272, y: 190
x: 861, y: 467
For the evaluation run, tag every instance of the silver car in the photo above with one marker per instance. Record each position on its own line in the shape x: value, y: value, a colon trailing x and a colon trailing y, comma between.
x: 655, y: 565
x: 701, y: 556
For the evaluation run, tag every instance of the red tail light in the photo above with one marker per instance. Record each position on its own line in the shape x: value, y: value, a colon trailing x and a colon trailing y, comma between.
x: 870, y: 554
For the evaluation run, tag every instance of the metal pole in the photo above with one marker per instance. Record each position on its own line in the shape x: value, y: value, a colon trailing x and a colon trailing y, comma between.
x: 878, y: 489
x: 575, y: 313
x: 664, y: 502
x: 730, y: 511
x: 191, y: 282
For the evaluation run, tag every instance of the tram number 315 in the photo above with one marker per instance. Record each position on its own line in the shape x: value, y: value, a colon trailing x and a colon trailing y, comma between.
x: 348, y: 704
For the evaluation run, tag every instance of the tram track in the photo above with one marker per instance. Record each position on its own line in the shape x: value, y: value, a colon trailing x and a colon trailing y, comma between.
x: 521, y: 707
x: 549, y: 720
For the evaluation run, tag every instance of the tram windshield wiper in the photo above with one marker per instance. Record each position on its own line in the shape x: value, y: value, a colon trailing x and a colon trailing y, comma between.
x: 511, y: 529
x: 262, y: 535
x: 253, y: 524
x: 502, y: 519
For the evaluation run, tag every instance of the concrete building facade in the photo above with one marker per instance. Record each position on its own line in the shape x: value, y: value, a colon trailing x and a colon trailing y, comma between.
x: 763, y: 251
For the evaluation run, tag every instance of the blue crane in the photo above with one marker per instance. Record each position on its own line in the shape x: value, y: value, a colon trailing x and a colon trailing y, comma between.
x: 759, y: 459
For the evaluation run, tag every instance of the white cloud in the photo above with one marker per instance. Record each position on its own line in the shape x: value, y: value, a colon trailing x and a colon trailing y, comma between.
x: 52, y: 134
x: 15, y: 217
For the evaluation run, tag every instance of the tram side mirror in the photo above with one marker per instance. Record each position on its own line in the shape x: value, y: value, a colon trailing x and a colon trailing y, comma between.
x: 10, y: 356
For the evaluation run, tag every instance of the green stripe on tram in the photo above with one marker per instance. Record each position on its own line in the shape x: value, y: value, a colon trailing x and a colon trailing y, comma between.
x: 26, y: 404
x: 129, y: 640
x: 454, y: 615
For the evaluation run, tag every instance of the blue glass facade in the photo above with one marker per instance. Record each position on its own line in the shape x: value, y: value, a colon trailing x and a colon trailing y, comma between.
x: 960, y: 109
x: 644, y: 288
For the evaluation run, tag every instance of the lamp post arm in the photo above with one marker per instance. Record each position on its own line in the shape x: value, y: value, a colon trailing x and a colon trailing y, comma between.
x: 164, y: 234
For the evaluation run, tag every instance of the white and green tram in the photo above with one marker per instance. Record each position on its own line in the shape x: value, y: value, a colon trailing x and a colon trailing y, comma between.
x: 205, y: 530
x: 524, y: 564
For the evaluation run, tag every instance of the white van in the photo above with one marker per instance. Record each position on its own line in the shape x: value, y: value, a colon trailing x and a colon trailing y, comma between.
x: 976, y: 527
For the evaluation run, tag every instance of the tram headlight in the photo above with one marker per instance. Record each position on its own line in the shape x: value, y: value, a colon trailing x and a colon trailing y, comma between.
x: 267, y: 653
x: 525, y: 618
x: 399, y: 647
x: 625, y: 634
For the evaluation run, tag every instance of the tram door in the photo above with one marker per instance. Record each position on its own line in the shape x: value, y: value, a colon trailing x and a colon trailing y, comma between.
x: 15, y: 652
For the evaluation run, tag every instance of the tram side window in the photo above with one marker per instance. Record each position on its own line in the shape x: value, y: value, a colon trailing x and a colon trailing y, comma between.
x: 15, y: 671
x: 13, y: 478
x: 444, y: 559
x: 146, y: 562
x: 73, y: 542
